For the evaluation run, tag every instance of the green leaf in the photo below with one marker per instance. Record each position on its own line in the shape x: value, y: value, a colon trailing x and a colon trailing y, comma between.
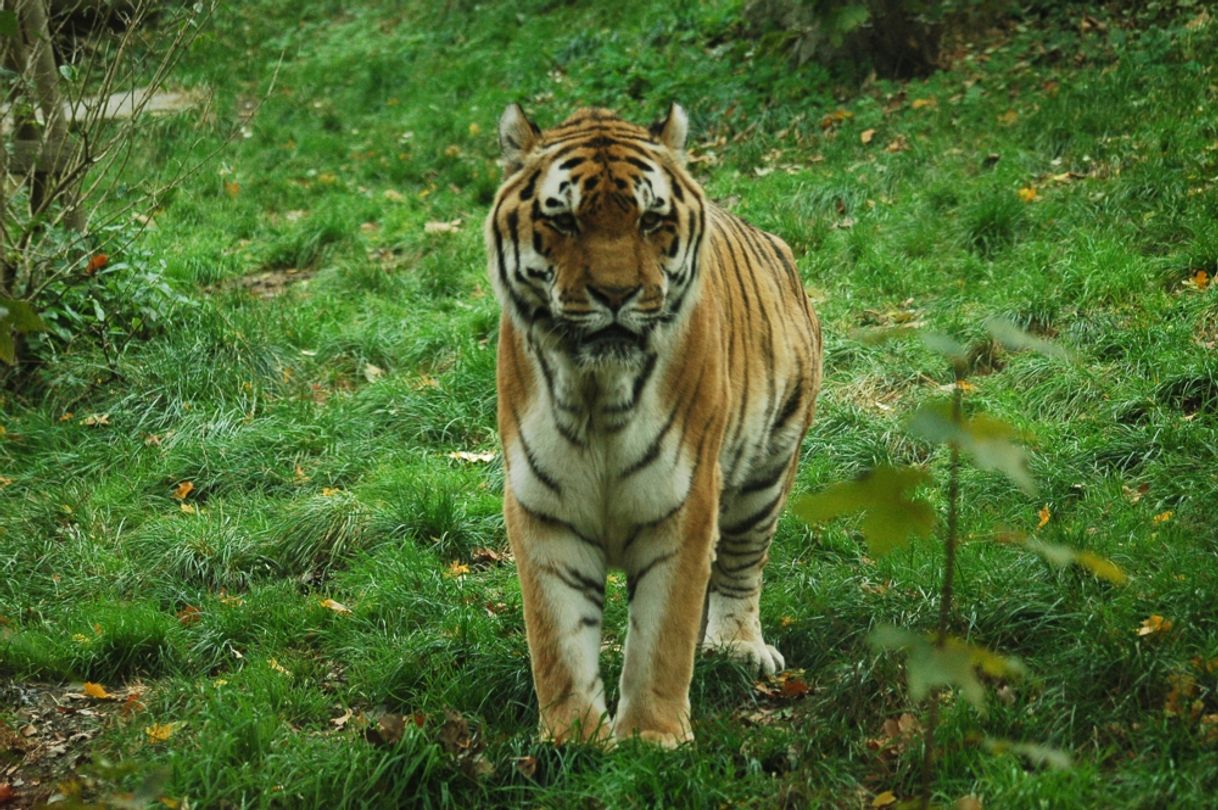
x: 1053, y: 758
x: 983, y: 437
x: 890, y: 516
x: 8, y: 23
x: 68, y: 72
x: 15, y: 317
x: 1061, y: 556
x: 19, y: 316
x: 1014, y: 338
x: 954, y: 664
x: 947, y: 346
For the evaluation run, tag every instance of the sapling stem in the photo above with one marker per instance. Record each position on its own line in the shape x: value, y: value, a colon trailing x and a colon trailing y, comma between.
x: 949, y: 570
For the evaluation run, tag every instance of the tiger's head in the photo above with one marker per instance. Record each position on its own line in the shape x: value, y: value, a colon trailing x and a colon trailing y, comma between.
x: 594, y: 236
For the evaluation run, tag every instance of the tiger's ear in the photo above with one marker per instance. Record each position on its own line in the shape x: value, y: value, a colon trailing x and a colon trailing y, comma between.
x: 671, y: 131
x: 517, y: 137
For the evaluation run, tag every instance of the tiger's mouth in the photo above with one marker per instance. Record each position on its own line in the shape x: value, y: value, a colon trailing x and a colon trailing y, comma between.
x: 613, y: 341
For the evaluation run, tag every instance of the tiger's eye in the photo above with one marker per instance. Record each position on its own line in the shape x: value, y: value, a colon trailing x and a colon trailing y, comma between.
x: 650, y: 221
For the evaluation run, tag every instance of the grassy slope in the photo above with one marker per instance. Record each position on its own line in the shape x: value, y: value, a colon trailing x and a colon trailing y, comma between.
x: 313, y: 481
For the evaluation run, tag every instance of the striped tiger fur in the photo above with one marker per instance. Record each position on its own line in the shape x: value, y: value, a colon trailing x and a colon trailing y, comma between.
x: 657, y: 370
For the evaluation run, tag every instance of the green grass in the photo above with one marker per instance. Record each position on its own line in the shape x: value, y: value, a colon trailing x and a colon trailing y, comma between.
x: 317, y: 476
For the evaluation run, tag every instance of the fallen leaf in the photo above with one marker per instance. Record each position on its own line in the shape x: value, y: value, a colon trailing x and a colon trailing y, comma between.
x: 486, y: 556
x: 96, y: 691
x: 451, y: 226
x: 330, y: 492
x: 337, y: 607
x: 472, y: 458
x: 884, y: 799
x: 969, y: 802
x: 1009, y: 117
x: 1027, y: 194
x: 527, y: 766
x: 867, y: 135
x: 160, y: 732
x: 1163, y: 517
x: 96, y: 262
x: 96, y: 420
x: 6, y: 793
x: 278, y: 667
x: 1134, y: 495
x: 182, y: 490
x: 232, y: 188
x: 897, y: 144
x: 188, y: 508
x: 1201, y: 279
x: 919, y: 103
x: 339, y: 722
x: 393, y: 195
x: 373, y: 373
x: 1154, y: 625
x: 387, y: 731
x: 456, y: 569
x: 1044, y: 515
x: 475, y: 129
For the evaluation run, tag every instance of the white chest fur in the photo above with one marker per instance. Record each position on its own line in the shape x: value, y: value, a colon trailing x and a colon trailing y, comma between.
x: 601, y: 452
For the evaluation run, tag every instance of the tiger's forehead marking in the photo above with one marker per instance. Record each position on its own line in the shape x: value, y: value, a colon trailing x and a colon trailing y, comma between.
x: 603, y: 171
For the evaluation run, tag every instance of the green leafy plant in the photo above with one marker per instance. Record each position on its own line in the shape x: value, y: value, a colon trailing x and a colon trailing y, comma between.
x: 892, y: 515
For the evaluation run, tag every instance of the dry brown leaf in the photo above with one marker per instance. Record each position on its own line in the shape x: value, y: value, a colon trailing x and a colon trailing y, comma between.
x: 452, y: 226
x: 96, y: 420
x: 919, y: 103
x: 470, y: 457
x: 866, y: 136
x: 1044, y: 514
x: 182, y: 490
x: 1027, y: 194
x: 456, y: 569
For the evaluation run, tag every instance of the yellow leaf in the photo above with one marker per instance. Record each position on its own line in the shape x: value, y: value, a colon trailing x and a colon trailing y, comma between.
x: 919, y: 103
x: 1101, y: 567
x: 394, y: 196
x: 96, y: 690
x: 474, y: 129
x: 1163, y: 517
x: 278, y: 667
x: 182, y: 490
x: 457, y: 569
x: 452, y: 151
x: 1027, y: 194
x: 327, y: 178
x: 866, y: 135
x: 337, y: 607
x: 884, y: 799
x: 1153, y: 625
x: 1044, y: 514
x: 188, y: 508
x: 787, y: 621
x: 160, y: 732
x: 96, y: 420
x: 330, y: 492
x: 1201, y: 279
x: 1009, y: 117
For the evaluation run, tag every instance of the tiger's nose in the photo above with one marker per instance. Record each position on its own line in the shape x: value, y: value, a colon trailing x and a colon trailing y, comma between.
x: 612, y: 296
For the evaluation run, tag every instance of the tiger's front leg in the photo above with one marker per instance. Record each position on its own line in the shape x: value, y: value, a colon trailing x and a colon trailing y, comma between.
x: 562, y: 581
x: 667, y: 569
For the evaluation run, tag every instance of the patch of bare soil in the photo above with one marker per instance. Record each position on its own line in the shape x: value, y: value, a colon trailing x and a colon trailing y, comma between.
x: 46, y: 733
x: 267, y: 283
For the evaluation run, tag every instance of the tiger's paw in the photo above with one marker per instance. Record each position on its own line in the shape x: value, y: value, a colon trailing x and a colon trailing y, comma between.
x: 667, y: 740
x: 762, y: 657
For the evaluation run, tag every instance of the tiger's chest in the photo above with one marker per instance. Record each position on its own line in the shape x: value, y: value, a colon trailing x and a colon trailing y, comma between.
x: 604, y: 456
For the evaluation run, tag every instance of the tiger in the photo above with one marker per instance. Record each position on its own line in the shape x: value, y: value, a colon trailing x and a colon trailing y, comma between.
x: 657, y: 370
